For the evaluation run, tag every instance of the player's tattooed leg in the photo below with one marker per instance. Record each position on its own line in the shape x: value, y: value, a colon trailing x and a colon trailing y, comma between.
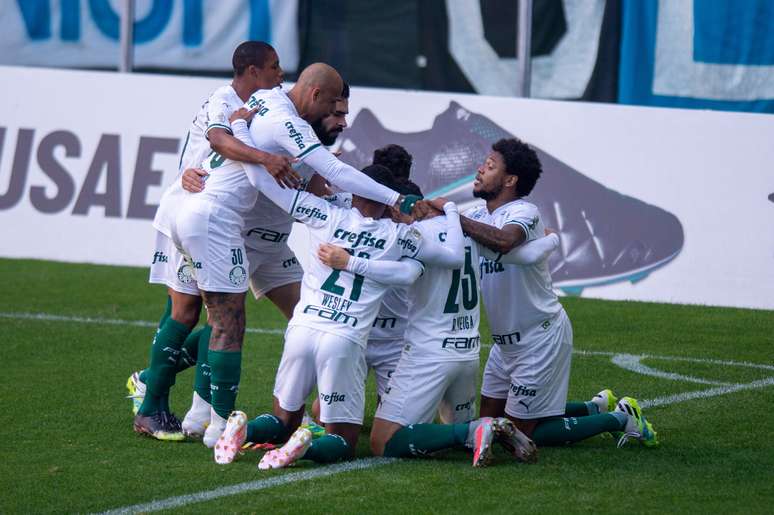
x: 226, y: 312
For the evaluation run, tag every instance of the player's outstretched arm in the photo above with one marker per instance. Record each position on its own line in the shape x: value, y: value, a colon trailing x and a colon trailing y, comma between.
x: 500, y: 240
x: 451, y: 252
x: 532, y: 252
x: 240, y: 147
x: 349, y: 179
x: 398, y: 273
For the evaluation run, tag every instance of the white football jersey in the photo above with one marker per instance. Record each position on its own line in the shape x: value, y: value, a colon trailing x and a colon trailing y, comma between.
x: 337, y: 301
x: 443, y: 313
x: 267, y: 224
x: 214, y: 113
x: 391, y: 321
x: 276, y: 128
x: 517, y: 298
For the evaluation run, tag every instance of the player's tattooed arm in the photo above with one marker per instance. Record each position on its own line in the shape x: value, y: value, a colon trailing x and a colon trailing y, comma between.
x: 530, y: 253
x: 500, y: 240
x: 399, y: 273
x: 241, y: 148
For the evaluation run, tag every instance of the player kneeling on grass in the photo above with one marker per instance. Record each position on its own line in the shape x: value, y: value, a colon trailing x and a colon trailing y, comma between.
x: 527, y: 374
x: 326, y: 337
x: 437, y: 369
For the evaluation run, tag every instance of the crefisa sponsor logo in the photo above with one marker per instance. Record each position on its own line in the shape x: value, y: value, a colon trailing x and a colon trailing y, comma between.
x: 519, y: 390
x: 330, y: 398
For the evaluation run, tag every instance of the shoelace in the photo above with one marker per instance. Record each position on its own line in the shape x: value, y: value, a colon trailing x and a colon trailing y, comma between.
x: 625, y: 437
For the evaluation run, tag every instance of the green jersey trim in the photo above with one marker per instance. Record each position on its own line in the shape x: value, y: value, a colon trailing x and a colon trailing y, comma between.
x: 305, y: 152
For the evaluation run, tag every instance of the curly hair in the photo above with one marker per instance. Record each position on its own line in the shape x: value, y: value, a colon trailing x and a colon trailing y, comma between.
x: 396, y: 158
x: 522, y: 161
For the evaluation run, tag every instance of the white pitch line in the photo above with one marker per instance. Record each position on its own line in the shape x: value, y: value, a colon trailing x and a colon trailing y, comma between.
x: 703, y: 394
x: 632, y: 363
x: 251, y: 486
x: 46, y: 317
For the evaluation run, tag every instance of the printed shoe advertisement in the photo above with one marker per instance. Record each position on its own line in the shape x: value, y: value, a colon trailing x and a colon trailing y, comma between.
x: 607, y: 236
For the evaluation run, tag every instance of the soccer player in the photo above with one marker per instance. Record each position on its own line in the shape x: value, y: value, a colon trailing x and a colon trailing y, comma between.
x: 438, y: 367
x: 274, y: 270
x: 327, y: 334
x: 385, y: 341
x: 528, y: 369
x: 256, y: 66
x: 209, y: 224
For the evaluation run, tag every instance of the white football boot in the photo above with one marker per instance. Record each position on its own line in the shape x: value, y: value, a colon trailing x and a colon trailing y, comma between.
x: 214, y: 429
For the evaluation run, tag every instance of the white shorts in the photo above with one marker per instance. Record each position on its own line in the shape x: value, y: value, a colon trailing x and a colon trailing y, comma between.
x: 382, y: 356
x: 335, y: 364
x: 418, y: 389
x: 169, y: 267
x: 272, y: 270
x: 535, y: 374
x: 210, y: 239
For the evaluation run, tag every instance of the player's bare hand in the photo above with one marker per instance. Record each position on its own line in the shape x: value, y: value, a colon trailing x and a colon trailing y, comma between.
x: 243, y: 113
x: 549, y: 230
x: 280, y: 167
x: 193, y: 179
x: 423, y: 209
x: 333, y: 256
x: 439, y: 202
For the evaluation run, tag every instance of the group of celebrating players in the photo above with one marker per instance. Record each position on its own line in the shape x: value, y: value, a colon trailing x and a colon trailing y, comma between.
x: 394, y: 285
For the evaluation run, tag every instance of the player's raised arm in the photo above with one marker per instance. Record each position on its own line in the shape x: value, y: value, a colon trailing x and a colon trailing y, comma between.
x: 398, y: 273
x: 529, y: 253
x: 449, y: 253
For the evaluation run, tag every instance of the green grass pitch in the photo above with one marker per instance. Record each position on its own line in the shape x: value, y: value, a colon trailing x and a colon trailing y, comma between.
x: 68, y: 446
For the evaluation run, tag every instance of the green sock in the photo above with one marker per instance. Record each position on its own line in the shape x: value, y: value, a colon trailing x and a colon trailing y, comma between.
x: 161, y: 372
x: 224, y: 381
x: 422, y: 439
x: 167, y: 314
x: 580, y: 409
x: 266, y: 429
x: 203, y: 374
x: 564, y: 430
x: 189, y: 351
x: 328, y: 449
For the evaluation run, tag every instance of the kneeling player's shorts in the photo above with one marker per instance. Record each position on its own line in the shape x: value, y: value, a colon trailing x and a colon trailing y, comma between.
x: 210, y: 239
x: 534, y: 373
x: 336, y: 364
x: 169, y: 267
x: 383, y: 357
x: 418, y: 389
x: 270, y: 270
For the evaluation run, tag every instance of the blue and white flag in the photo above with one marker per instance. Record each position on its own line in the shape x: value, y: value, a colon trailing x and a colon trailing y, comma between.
x: 172, y: 34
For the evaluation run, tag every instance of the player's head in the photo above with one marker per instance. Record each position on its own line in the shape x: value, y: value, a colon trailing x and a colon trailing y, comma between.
x: 511, y: 169
x: 404, y: 188
x: 396, y: 158
x: 258, y: 63
x: 316, y: 91
x: 329, y: 128
x: 383, y: 176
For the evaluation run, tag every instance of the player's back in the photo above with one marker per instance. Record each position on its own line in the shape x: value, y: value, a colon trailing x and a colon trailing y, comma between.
x: 443, y: 312
x: 342, y: 302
